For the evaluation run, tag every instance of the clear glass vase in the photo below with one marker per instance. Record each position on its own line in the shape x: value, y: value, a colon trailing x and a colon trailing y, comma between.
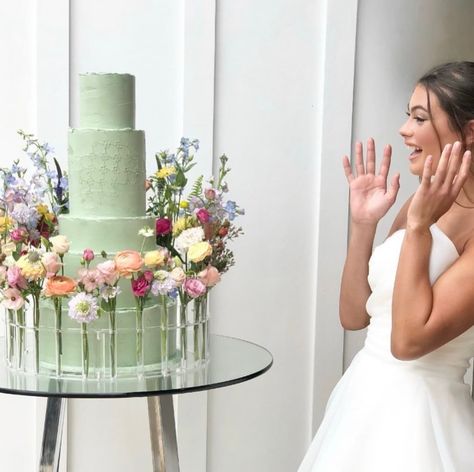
x: 168, y: 336
x: 194, y: 332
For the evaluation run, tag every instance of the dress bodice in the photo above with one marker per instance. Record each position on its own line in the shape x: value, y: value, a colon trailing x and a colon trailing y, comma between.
x: 450, y: 360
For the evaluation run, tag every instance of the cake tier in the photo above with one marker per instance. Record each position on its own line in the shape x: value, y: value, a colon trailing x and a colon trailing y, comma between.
x: 107, y: 101
x: 100, y: 335
x: 107, y: 172
x: 106, y: 234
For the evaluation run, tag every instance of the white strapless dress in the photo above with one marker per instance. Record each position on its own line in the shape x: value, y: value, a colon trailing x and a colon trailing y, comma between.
x: 387, y: 415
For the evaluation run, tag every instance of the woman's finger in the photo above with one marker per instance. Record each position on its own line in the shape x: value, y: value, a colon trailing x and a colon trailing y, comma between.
x: 426, y: 176
x: 370, y: 156
x: 441, y: 170
x: 385, y: 164
x: 359, y: 159
x: 394, y: 187
x: 347, y: 169
x: 454, y: 165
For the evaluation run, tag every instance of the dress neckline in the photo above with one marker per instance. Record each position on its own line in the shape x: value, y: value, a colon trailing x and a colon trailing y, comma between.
x: 440, y: 231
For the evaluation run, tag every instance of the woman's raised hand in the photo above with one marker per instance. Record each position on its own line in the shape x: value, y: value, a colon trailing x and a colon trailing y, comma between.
x: 369, y: 197
x: 438, y: 191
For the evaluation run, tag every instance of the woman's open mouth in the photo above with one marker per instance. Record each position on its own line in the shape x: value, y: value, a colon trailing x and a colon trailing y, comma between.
x: 416, y: 151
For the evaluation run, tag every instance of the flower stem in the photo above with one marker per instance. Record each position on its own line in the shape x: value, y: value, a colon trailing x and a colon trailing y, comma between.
x: 182, y: 329
x: 11, y: 347
x: 59, y: 347
x: 85, y: 350
x: 20, y: 321
x: 36, y: 320
x: 197, y: 319
x: 164, y: 335
x: 113, y: 336
x: 139, y: 326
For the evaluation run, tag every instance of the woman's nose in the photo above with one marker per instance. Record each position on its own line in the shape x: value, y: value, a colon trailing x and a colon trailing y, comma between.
x: 405, y: 130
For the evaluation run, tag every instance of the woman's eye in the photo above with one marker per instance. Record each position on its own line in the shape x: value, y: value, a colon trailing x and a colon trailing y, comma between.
x: 418, y: 119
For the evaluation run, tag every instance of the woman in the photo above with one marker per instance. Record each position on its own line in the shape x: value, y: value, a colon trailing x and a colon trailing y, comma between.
x: 402, y: 405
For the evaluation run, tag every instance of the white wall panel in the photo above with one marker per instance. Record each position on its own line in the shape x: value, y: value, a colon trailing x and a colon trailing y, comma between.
x: 266, y: 84
x: 17, y: 110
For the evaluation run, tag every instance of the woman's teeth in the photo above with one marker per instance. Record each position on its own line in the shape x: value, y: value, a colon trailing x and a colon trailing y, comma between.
x: 415, y: 152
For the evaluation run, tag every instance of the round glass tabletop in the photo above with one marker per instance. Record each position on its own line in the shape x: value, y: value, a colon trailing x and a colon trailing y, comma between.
x: 232, y: 361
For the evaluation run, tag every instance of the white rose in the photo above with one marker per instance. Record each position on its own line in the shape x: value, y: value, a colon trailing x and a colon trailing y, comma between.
x: 8, y: 248
x: 178, y: 275
x: 60, y: 244
x: 187, y: 238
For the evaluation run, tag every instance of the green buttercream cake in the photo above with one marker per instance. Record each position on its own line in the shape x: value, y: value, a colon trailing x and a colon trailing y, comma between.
x: 106, y: 167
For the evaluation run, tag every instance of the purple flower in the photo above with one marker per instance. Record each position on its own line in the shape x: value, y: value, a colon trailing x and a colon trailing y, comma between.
x: 163, y: 285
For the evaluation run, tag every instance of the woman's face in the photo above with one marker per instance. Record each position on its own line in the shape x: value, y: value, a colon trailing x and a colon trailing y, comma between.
x: 419, y: 132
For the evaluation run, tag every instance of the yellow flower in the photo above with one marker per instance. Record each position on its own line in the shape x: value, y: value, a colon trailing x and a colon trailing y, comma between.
x: 183, y: 223
x: 154, y: 258
x: 42, y: 209
x: 31, y: 267
x: 5, y: 223
x: 166, y: 172
x: 183, y: 204
x: 199, y: 251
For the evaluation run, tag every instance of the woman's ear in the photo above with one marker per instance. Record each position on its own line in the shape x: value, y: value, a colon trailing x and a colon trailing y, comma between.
x: 469, y: 133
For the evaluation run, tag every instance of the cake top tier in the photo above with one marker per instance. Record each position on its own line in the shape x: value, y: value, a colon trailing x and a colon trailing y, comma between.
x: 106, y: 101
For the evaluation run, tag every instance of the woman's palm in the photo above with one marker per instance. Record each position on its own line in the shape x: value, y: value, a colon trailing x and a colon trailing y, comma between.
x: 369, y: 198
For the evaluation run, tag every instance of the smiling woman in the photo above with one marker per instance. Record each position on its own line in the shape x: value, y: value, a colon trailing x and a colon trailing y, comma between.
x: 403, y: 405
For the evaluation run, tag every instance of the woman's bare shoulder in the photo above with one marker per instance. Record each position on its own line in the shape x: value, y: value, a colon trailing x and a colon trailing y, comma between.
x: 400, y: 220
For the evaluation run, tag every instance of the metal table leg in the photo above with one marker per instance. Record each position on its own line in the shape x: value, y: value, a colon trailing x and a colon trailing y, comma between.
x: 52, y: 434
x: 164, y: 446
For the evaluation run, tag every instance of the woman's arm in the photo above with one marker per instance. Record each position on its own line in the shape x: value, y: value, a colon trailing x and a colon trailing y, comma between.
x: 370, y: 199
x: 425, y: 317
x: 355, y: 288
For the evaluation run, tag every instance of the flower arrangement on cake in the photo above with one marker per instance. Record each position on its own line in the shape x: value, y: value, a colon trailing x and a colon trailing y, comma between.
x: 182, y: 257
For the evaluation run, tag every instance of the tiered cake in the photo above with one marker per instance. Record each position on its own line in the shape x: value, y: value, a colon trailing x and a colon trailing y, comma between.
x: 106, y: 166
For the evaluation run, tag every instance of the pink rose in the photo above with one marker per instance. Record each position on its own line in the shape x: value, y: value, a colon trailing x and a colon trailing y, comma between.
x: 210, y: 193
x: 148, y: 275
x: 88, y: 255
x: 203, y: 215
x: 162, y: 226
x: 15, y: 279
x: 140, y: 286
x: 209, y: 276
x: 12, y: 299
x: 18, y: 235
x: 52, y: 263
x: 108, y: 271
x: 194, y: 287
x: 90, y: 278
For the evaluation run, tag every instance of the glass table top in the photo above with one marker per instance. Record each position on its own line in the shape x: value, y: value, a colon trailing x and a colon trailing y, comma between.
x: 232, y: 361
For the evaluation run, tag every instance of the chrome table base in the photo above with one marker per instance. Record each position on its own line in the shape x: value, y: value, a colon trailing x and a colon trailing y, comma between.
x: 52, y: 435
x: 164, y: 446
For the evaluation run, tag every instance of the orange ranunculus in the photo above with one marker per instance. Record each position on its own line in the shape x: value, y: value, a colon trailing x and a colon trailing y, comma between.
x: 128, y: 262
x: 59, y: 286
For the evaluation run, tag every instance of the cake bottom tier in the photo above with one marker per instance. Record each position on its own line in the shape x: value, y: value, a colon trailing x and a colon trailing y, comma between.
x: 164, y: 339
